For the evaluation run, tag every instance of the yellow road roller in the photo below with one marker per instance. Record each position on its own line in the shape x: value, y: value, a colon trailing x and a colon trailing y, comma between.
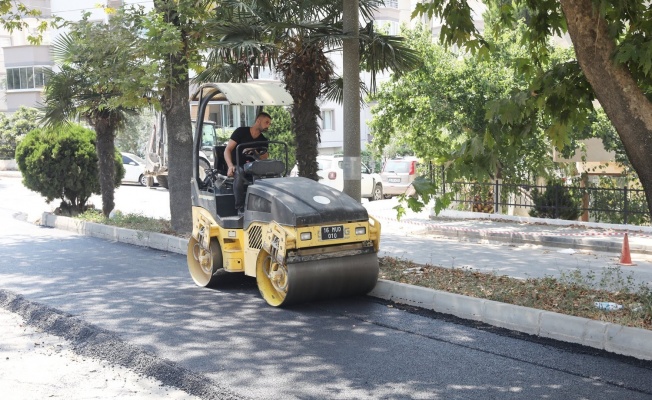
x: 301, y: 240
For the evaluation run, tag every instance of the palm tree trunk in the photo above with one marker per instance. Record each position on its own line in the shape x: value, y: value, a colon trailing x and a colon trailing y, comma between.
x: 105, y: 147
x: 305, y: 69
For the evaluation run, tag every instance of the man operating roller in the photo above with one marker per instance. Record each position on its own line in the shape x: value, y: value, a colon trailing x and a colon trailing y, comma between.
x: 244, y: 134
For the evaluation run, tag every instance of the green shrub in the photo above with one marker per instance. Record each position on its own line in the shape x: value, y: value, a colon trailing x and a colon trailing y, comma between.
x: 557, y: 202
x: 62, y: 164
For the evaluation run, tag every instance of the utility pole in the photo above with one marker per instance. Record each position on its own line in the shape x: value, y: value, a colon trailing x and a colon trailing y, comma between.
x: 351, y: 100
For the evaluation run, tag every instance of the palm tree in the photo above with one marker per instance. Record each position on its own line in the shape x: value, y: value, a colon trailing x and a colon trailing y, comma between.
x: 294, y: 38
x: 99, y: 80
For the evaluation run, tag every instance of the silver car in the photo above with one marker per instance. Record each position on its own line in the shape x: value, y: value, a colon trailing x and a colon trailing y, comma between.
x: 331, y: 174
x: 397, y: 176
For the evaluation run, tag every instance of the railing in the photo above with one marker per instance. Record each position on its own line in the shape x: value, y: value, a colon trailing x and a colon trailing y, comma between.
x: 391, y: 3
x: 614, y: 205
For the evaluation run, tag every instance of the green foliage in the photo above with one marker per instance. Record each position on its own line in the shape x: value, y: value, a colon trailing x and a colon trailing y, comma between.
x: 130, y: 221
x: 556, y: 202
x: 16, y: 16
x: 293, y: 37
x: 455, y: 111
x: 61, y: 163
x: 281, y: 130
x: 103, y: 75
x: 14, y: 128
x: 557, y: 90
x: 372, y: 159
x: 464, y: 112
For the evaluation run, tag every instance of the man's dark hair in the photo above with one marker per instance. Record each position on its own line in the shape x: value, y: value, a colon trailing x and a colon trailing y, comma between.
x: 263, y: 114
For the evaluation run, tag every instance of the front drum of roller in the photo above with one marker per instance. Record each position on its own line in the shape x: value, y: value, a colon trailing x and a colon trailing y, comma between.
x: 282, y: 285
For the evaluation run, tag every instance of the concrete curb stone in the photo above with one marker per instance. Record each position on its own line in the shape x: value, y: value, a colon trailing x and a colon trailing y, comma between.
x: 544, y: 240
x: 550, y: 240
x: 633, y: 342
x: 509, y: 316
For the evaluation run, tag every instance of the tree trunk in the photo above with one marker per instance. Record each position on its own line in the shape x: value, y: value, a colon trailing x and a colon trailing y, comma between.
x: 306, y: 131
x: 305, y: 69
x: 174, y: 102
x: 615, y: 88
x: 105, y: 148
x: 177, y: 113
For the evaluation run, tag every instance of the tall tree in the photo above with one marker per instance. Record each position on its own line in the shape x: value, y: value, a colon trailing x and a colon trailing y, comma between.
x: 101, y: 81
x: 294, y: 37
x: 611, y: 39
x: 440, y: 110
x: 183, y: 24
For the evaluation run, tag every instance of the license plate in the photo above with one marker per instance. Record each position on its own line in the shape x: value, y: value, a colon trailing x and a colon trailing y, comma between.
x: 332, y: 232
x: 395, y: 180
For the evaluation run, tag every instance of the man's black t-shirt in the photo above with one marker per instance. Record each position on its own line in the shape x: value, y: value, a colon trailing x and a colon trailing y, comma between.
x: 243, y: 135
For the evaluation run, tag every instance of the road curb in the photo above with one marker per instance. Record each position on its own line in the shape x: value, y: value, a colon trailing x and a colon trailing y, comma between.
x: 633, y: 342
x: 540, y: 239
x: 153, y: 240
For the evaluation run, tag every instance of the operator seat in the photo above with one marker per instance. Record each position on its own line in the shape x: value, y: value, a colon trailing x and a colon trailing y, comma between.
x: 249, y: 173
x: 264, y: 169
x: 220, y: 163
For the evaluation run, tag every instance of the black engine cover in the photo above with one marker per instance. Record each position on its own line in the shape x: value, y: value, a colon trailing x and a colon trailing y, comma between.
x: 294, y: 201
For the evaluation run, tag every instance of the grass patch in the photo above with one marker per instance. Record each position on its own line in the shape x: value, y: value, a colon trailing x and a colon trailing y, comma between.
x: 573, y: 293
x: 137, y: 222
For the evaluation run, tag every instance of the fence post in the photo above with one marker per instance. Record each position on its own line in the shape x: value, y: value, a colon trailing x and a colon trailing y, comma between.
x: 497, y: 196
x: 625, y: 204
x: 443, y: 180
x: 585, y: 197
x: 557, y: 187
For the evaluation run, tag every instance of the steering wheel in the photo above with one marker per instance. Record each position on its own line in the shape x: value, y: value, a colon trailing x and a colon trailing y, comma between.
x: 254, y: 153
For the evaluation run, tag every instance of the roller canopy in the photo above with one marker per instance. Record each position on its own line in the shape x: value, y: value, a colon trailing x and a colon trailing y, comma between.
x: 248, y: 94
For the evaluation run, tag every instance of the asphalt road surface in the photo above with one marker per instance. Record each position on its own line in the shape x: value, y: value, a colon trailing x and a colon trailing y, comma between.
x: 138, y: 307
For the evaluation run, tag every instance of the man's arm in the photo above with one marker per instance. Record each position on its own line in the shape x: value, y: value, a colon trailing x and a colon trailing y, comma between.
x: 227, y: 157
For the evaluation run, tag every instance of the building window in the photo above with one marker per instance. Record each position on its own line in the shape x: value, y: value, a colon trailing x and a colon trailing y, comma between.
x: 223, y: 115
x: 26, y: 78
x: 387, y: 26
x: 250, y: 118
x: 328, y: 120
x: 391, y: 3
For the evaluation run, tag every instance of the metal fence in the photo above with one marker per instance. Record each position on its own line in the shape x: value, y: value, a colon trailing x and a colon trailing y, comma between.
x: 613, y: 205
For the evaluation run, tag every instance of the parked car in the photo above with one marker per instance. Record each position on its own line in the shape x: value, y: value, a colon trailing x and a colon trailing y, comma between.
x: 397, y: 176
x: 134, y: 169
x: 331, y: 174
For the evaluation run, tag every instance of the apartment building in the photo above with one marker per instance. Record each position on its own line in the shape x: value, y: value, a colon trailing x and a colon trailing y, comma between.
x: 22, y: 63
